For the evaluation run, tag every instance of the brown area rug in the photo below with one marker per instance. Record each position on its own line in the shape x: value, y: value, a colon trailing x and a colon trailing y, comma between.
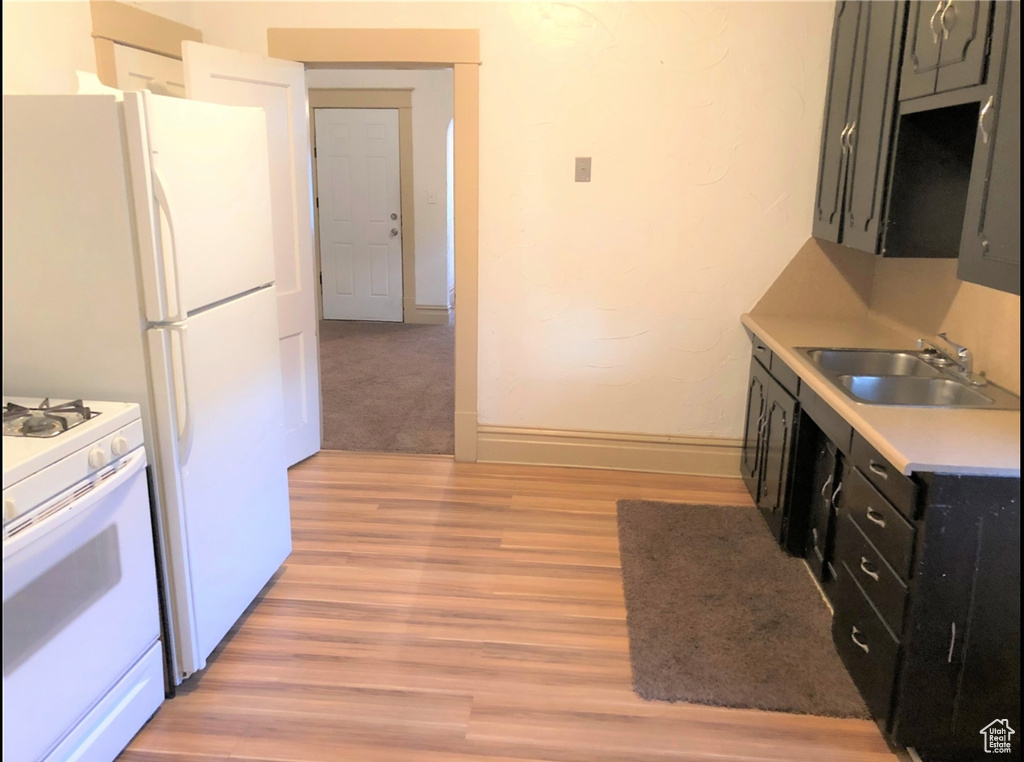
x: 718, y: 614
x: 388, y: 387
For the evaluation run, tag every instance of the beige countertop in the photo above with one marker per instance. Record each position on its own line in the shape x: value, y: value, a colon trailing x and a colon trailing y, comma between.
x: 939, y: 440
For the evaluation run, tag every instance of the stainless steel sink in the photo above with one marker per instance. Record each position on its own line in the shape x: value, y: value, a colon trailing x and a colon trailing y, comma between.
x: 903, y: 377
x: 914, y: 390
x: 871, y: 362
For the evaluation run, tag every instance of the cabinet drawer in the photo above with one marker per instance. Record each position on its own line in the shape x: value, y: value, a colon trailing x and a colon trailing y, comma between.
x: 900, y: 489
x: 864, y: 644
x: 879, y: 582
x: 882, y: 524
x: 760, y: 350
x: 828, y: 420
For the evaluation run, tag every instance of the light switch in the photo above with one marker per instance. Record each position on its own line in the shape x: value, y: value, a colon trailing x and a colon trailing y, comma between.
x: 583, y: 169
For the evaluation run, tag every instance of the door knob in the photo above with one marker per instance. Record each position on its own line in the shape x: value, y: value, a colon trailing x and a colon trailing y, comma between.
x: 394, y: 216
x: 394, y: 232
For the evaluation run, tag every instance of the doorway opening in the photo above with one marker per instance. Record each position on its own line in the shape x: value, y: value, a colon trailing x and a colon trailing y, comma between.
x: 384, y: 227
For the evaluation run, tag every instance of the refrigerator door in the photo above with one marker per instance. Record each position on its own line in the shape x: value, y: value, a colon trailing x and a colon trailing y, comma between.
x: 202, y: 184
x: 217, y: 390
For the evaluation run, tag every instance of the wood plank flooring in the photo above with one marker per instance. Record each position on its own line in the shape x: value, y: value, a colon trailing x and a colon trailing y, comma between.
x: 442, y: 612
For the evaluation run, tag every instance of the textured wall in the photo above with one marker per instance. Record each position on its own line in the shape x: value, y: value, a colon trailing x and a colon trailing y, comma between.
x: 431, y: 114
x: 615, y: 305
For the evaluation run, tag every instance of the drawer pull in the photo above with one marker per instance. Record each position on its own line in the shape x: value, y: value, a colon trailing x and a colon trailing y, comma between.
x: 836, y: 494
x: 952, y: 642
x: 860, y: 644
x: 824, y: 488
x: 875, y: 517
x: 814, y: 535
x: 864, y: 564
x: 878, y: 469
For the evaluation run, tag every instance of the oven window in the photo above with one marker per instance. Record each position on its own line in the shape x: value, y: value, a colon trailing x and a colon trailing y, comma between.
x: 49, y: 603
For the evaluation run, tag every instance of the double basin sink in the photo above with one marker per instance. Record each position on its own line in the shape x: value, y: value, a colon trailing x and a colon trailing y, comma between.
x: 903, y: 377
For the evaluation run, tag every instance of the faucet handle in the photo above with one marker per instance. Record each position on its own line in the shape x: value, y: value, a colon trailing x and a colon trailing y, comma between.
x: 960, y: 348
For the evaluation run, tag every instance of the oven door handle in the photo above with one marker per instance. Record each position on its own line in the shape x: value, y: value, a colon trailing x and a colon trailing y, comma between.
x: 74, y: 503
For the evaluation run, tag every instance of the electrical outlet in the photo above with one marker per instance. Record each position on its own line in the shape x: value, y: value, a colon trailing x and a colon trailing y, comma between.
x: 583, y: 169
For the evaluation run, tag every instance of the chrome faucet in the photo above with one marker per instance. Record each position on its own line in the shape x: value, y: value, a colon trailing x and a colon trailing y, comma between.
x: 961, y: 358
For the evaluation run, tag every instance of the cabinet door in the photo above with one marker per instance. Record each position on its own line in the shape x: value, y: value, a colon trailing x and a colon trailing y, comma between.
x: 921, y: 51
x: 820, y: 531
x: 881, y: 25
x: 777, y: 454
x: 750, y: 464
x: 990, y: 246
x: 828, y: 204
x: 965, y: 27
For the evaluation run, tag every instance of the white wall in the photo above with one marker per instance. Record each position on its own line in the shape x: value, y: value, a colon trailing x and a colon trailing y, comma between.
x: 431, y: 113
x: 44, y: 44
x: 615, y: 305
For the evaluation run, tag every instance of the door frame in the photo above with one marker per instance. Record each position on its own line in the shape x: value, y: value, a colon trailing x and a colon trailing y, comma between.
x: 401, y: 100
x: 426, y: 48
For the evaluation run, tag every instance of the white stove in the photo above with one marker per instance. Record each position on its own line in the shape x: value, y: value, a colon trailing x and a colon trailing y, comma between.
x: 36, y: 467
x: 82, y: 660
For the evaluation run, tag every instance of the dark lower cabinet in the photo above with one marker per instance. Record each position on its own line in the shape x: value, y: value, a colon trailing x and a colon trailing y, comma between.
x: 927, y: 612
x: 823, y: 494
x: 750, y: 463
x: 923, y: 571
x: 779, y: 442
x: 990, y: 243
x: 769, y: 449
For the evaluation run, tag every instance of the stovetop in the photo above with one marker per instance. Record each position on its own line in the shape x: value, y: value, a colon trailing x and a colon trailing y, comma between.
x: 25, y: 455
x: 45, y: 419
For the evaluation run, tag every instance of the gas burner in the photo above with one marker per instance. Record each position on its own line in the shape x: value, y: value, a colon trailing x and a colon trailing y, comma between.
x: 44, y: 421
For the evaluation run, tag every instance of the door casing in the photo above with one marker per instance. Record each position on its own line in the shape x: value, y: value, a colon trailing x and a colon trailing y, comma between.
x: 426, y: 48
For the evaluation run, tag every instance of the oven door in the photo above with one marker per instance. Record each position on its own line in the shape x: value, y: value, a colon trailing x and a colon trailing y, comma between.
x: 79, y: 604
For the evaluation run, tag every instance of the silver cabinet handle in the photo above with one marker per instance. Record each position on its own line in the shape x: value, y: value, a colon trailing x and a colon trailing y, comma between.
x: 394, y: 216
x: 394, y: 232
x: 860, y: 644
x: 824, y: 488
x: 864, y: 563
x: 849, y: 136
x: 934, y: 18
x: 878, y: 469
x: 875, y: 517
x: 842, y: 138
x: 942, y: 19
x: 836, y: 494
x: 981, y: 117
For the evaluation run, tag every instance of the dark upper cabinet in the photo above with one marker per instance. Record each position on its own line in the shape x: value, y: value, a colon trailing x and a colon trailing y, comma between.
x: 858, y: 123
x: 990, y: 243
x: 945, y: 48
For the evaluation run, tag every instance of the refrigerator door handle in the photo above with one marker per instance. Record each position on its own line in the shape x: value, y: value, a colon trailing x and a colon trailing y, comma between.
x: 181, y: 400
x: 171, y: 279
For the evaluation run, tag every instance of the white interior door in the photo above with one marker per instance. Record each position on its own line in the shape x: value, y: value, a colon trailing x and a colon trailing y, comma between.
x: 359, y: 200
x: 227, y: 76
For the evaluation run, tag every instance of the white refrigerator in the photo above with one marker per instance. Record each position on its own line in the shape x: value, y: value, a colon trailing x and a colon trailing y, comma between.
x: 138, y: 266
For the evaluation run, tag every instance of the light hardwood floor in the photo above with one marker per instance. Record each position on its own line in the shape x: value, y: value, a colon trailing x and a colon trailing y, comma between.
x: 442, y: 612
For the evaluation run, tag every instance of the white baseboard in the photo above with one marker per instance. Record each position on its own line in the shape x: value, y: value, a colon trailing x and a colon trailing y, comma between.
x: 703, y: 456
x: 428, y: 314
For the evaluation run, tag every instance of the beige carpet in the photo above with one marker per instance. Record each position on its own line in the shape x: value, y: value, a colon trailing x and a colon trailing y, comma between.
x: 718, y: 614
x: 388, y: 387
